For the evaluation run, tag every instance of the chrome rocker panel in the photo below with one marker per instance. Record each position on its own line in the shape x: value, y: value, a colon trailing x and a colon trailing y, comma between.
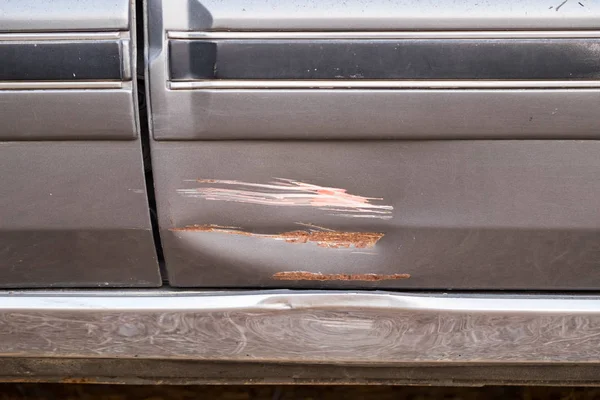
x: 305, y: 327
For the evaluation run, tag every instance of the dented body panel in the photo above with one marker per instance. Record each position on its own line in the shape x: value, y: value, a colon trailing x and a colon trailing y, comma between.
x: 449, y: 214
x: 422, y: 146
x: 308, y: 144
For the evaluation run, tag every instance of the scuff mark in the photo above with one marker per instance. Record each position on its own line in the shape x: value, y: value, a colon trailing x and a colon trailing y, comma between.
x: 317, y: 276
x: 290, y: 193
x: 561, y: 4
x: 313, y: 226
x: 327, y: 239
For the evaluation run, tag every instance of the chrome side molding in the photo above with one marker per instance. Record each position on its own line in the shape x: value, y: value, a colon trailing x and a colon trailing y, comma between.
x: 322, y: 35
x: 302, y: 327
x: 379, y: 84
x: 62, y: 85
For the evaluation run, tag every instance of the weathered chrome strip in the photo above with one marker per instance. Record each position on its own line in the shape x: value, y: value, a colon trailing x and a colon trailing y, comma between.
x: 33, y: 85
x: 126, y: 57
x: 378, y: 84
x: 383, y: 35
x: 28, y: 36
x: 302, y: 327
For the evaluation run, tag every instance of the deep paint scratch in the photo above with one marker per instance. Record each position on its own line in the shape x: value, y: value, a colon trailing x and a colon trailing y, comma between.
x: 327, y: 239
x: 290, y: 193
x: 316, y: 276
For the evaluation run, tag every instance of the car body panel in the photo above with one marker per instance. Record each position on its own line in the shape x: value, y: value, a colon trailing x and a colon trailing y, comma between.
x: 64, y: 15
x: 449, y: 214
x: 74, y: 201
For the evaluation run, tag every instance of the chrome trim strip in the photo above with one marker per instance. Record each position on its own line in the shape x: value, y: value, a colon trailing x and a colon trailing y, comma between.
x: 63, y: 36
x: 376, y: 84
x: 302, y: 327
x: 126, y: 56
x: 35, y: 85
x: 383, y: 35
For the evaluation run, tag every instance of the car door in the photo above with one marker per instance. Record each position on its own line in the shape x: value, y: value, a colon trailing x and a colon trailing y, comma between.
x: 73, y: 203
x: 389, y: 144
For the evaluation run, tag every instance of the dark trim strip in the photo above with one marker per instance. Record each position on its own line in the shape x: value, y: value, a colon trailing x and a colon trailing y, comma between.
x: 416, y: 59
x: 136, y: 371
x: 61, y: 61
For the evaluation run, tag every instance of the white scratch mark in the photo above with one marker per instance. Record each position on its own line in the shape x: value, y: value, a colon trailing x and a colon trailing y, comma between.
x: 315, y: 227
x: 289, y: 193
x: 363, y: 216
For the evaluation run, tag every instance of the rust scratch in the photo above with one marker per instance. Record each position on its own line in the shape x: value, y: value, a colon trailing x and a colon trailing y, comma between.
x: 291, y: 193
x: 317, y: 276
x: 210, y: 228
x: 327, y: 239
x: 78, y: 380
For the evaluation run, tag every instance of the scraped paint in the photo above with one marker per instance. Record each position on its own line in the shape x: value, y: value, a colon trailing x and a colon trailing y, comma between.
x: 317, y: 276
x: 290, y: 193
x: 327, y: 239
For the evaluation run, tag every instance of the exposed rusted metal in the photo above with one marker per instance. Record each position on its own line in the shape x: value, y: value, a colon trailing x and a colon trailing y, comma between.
x: 291, y: 193
x: 312, y: 276
x: 326, y: 238
x: 211, y: 228
x: 78, y: 380
x: 136, y: 371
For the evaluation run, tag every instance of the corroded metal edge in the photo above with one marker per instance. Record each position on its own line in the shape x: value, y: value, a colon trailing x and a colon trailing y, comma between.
x: 184, y: 372
x: 375, y: 328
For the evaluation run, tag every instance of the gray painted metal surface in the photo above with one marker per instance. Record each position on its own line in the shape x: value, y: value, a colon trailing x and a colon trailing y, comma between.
x: 332, y: 15
x: 450, y: 214
x: 32, y: 112
x: 373, y: 214
x: 64, y: 15
x: 74, y: 214
x: 76, y: 114
x: 251, y: 109
x: 375, y: 329
x: 376, y: 114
